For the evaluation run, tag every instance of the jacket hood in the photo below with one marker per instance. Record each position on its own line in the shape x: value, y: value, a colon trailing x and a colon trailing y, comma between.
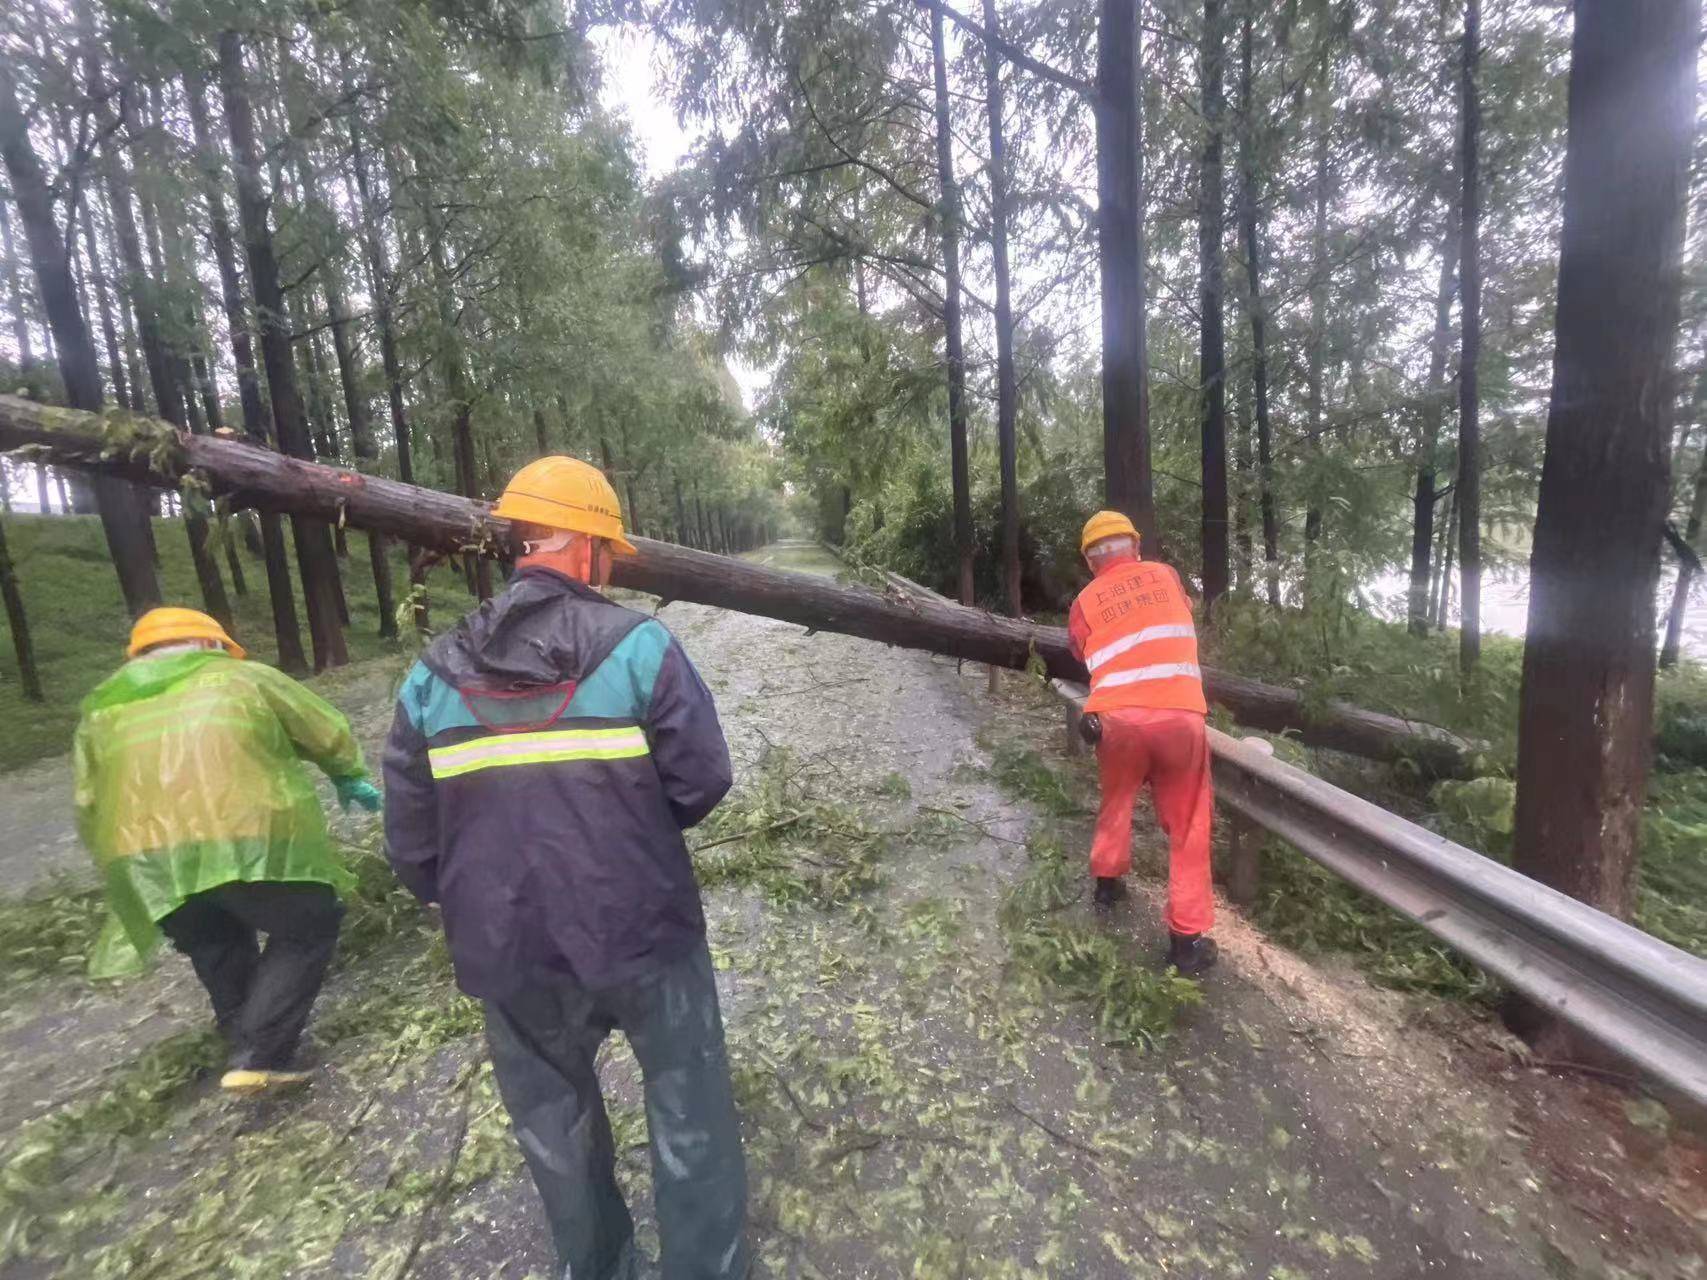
x: 148, y: 677
x: 532, y: 634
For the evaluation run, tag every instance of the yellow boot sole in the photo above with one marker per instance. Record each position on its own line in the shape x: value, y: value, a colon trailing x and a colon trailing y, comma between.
x: 249, y: 1084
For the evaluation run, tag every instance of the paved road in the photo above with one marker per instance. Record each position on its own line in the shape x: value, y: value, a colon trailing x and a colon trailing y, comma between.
x: 915, y: 1103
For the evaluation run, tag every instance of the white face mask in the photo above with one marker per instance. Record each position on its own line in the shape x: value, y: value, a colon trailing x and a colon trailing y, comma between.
x: 179, y: 646
x: 559, y: 541
x: 1111, y: 547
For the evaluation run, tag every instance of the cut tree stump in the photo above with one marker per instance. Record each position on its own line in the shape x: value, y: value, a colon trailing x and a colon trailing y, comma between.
x: 153, y: 452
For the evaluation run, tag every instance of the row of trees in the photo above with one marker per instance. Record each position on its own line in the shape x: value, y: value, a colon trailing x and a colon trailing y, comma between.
x: 399, y: 237
x: 1316, y: 176
x: 1344, y: 311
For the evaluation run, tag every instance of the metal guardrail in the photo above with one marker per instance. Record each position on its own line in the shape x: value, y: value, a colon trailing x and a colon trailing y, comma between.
x: 1641, y: 998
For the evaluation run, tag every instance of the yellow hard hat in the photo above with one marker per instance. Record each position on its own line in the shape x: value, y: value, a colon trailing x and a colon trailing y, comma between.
x: 163, y: 626
x: 1106, y: 524
x: 565, y: 493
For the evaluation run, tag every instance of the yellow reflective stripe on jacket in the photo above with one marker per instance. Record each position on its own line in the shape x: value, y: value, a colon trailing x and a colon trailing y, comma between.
x: 546, y: 747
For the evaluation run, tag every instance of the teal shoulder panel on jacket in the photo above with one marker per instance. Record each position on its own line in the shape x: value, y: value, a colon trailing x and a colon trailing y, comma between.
x: 433, y: 705
x: 620, y: 687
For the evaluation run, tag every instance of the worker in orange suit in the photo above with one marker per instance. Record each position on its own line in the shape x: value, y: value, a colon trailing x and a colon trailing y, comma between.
x: 1132, y: 628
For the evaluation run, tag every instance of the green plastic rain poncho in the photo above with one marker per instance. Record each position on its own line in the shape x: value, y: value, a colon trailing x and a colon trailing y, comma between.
x: 189, y: 775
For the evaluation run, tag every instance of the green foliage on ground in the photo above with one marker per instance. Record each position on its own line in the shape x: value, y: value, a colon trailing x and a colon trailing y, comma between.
x: 795, y: 847
x: 1135, y: 999
x: 50, y: 931
x: 79, y: 625
x: 1308, y: 908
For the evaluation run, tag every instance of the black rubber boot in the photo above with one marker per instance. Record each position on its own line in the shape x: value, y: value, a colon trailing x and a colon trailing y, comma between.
x: 1192, y: 953
x: 1109, y: 890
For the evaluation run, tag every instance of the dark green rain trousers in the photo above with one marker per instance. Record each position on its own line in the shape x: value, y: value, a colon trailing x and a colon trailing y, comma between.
x: 544, y: 1040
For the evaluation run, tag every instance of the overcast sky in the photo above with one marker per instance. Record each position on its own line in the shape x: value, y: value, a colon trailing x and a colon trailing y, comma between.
x: 635, y: 90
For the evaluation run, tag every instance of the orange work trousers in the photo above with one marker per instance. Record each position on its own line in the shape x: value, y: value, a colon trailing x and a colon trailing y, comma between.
x: 1169, y: 750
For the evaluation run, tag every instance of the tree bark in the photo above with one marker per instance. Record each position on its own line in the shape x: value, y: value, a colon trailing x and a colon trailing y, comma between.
x: 1120, y: 244
x: 1212, y: 361
x: 127, y: 331
x: 447, y: 522
x: 1245, y: 459
x: 1673, y: 644
x: 1434, y: 410
x: 29, y: 676
x: 104, y: 301
x: 165, y: 366
x: 122, y: 514
x: 1585, y: 711
x: 683, y: 534
x: 257, y: 424
x: 1007, y: 386
x: 15, y: 296
x: 379, y: 269
x: 460, y: 395
x: 1316, y: 352
x: 1449, y: 549
x: 1470, y: 346
x: 318, y: 564
x: 954, y: 350
x: 350, y: 378
x: 1259, y: 334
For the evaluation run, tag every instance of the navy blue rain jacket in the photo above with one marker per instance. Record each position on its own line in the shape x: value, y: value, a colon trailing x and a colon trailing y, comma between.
x: 544, y: 760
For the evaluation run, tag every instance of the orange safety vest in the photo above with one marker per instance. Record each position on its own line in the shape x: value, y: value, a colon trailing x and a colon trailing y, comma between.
x: 1142, y: 650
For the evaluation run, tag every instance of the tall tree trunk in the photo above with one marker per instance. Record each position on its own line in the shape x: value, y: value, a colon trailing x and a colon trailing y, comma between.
x: 127, y: 331
x: 318, y: 564
x: 1245, y: 460
x: 1120, y: 254
x: 460, y: 395
x: 1007, y: 384
x: 1259, y: 334
x: 350, y: 379
x: 1448, y: 549
x: 287, y: 632
x: 15, y: 296
x: 384, y: 287
x: 1434, y: 411
x: 166, y: 367
x: 1585, y: 713
x: 1316, y: 357
x: 954, y: 350
x: 1470, y: 346
x: 29, y: 677
x: 104, y: 301
x: 1673, y: 644
x: 122, y: 513
x: 683, y: 534
x: 1212, y: 361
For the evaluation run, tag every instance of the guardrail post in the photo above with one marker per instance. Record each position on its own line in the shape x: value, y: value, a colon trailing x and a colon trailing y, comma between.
x: 1244, y: 863
x: 1075, y: 744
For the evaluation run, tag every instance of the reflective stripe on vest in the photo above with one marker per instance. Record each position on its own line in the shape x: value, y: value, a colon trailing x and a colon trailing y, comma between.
x: 1142, y: 646
x: 1156, y: 671
x: 1169, y: 631
x: 550, y: 747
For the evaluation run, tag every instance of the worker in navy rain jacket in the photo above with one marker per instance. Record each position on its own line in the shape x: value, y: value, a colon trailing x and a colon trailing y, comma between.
x: 545, y: 758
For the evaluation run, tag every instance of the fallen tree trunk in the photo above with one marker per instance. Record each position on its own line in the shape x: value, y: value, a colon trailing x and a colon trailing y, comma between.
x: 154, y: 452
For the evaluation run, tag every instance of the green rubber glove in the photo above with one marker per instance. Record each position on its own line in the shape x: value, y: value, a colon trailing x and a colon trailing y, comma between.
x: 357, y: 791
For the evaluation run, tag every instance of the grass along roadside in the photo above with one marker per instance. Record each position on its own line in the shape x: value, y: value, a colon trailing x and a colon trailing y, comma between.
x: 79, y: 625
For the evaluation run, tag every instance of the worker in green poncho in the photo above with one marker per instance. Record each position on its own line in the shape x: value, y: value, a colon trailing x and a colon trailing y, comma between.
x: 193, y: 798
